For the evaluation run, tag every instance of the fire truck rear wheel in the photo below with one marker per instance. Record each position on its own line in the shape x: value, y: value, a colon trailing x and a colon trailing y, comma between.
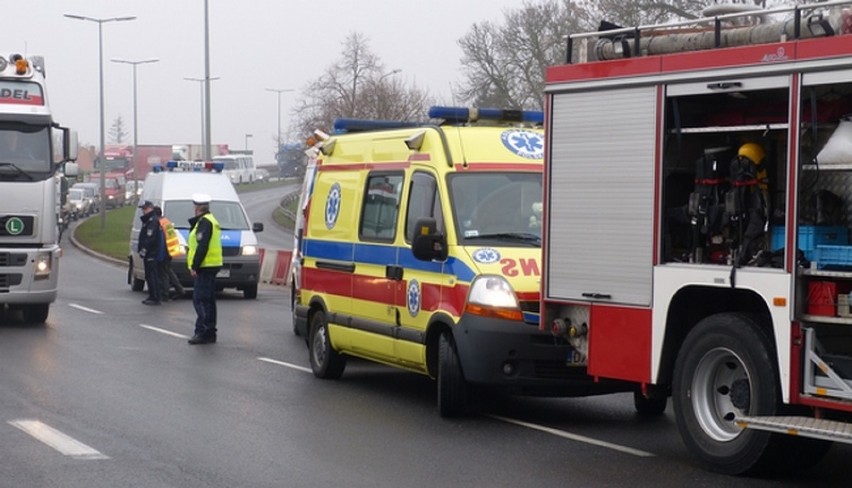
x: 326, y: 363
x: 453, y: 390
x: 725, y: 369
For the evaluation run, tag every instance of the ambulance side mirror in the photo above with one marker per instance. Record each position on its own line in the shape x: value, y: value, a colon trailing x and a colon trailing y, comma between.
x: 428, y: 244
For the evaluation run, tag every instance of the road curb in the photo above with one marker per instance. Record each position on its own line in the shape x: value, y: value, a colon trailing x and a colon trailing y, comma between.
x: 91, y: 252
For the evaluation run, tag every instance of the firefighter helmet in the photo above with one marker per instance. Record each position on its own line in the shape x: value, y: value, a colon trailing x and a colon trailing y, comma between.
x: 752, y: 151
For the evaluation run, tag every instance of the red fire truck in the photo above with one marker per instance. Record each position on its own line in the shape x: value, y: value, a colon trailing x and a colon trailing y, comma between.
x: 697, y: 211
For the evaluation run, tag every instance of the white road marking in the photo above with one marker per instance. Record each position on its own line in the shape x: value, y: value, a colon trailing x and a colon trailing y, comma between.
x: 57, y: 440
x: 288, y: 365
x: 85, y: 309
x: 164, y: 331
x: 574, y: 437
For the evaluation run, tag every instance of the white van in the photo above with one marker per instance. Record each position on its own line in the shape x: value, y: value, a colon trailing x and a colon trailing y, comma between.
x: 172, y: 190
x: 238, y: 167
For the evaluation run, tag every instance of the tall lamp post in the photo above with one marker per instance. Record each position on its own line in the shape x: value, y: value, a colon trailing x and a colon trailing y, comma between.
x: 204, y: 132
x: 101, y: 23
x: 247, y: 138
x: 135, y: 118
x: 279, y: 91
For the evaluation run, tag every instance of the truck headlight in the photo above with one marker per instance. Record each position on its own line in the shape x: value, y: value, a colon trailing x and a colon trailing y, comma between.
x: 248, y: 250
x: 493, y: 296
x: 42, y: 266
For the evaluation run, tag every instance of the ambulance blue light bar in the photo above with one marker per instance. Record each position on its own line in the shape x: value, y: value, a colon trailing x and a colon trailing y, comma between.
x: 465, y: 114
x: 342, y: 126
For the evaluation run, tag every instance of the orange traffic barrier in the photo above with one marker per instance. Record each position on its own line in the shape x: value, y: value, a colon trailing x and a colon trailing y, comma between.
x: 282, y: 267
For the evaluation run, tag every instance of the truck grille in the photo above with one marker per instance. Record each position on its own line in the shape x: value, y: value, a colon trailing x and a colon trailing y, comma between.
x: 7, y: 280
x: 555, y: 370
x: 13, y: 259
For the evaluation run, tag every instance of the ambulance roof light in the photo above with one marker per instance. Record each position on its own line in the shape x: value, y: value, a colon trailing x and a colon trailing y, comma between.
x: 342, y: 126
x: 464, y: 114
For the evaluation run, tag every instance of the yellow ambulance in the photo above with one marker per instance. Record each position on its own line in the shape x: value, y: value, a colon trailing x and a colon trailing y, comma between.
x: 421, y: 250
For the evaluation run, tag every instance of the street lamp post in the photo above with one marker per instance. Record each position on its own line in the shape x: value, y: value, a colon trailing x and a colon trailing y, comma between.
x: 135, y: 118
x: 247, y: 138
x: 204, y: 132
x: 101, y: 23
x: 279, y: 91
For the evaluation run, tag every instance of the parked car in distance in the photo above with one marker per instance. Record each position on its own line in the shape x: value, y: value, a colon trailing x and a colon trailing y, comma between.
x: 77, y: 205
x: 133, y: 190
x: 92, y: 193
x: 261, y: 175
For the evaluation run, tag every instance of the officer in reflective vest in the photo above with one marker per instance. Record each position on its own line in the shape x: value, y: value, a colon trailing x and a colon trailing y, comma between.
x: 168, y: 277
x: 204, y: 259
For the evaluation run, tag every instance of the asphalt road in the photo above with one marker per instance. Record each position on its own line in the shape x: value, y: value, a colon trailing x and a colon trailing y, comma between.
x: 108, y: 393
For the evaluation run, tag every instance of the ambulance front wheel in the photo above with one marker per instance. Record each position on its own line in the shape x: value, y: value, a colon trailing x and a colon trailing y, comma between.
x: 453, y: 390
x: 326, y: 363
x: 724, y: 370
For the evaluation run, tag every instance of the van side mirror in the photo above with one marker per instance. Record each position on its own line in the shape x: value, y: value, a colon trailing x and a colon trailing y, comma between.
x: 257, y: 227
x: 428, y: 244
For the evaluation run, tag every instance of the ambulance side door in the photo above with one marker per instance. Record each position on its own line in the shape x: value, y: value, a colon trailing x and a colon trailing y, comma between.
x: 418, y: 293
x: 373, y: 312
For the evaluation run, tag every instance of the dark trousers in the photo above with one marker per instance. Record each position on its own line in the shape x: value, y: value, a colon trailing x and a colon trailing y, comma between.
x: 152, y: 276
x: 168, y: 278
x: 204, y: 301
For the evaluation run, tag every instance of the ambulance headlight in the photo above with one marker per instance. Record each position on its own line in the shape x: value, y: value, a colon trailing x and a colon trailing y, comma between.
x: 248, y: 250
x: 42, y: 265
x: 493, y: 296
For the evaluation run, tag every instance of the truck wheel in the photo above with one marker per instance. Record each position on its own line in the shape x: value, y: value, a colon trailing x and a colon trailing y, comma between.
x: 725, y: 369
x: 453, y: 390
x: 326, y: 363
x: 36, y: 313
x: 649, y: 406
x: 250, y: 292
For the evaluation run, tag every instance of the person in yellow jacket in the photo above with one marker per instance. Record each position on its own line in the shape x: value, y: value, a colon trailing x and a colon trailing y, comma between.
x: 171, y: 243
x: 204, y: 259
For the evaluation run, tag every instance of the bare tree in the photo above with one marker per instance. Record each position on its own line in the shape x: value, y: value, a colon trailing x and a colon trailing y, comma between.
x: 356, y: 85
x: 505, y: 64
x: 117, y: 131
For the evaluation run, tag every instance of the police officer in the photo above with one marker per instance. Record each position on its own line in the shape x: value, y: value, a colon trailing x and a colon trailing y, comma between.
x: 204, y: 259
x: 150, y: 248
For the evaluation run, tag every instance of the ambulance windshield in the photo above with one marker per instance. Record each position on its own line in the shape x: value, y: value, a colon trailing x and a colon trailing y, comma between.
x: 229, y: 214
x: 504, y: 207
x: 24, y: 152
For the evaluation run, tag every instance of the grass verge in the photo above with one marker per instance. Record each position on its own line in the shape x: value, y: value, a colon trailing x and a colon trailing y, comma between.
x: 113, y: 240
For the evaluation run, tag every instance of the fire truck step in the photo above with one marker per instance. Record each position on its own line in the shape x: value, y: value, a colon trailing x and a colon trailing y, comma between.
x: 828, y: 430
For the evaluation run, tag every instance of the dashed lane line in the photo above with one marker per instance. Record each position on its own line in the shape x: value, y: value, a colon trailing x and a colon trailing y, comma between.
x: 164, y: 331
x: 574, y: 437
x: 57, y: 440
x: 85, y: 309
x: 286, y: 365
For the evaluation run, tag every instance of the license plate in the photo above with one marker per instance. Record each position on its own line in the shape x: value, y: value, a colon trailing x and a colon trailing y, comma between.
x: 575, y: 358
x: 224, y: 273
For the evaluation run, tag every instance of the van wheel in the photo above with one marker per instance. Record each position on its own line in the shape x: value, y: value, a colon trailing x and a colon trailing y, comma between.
x: 725, y: 370
x: 453, y: 390
x: 326, y: 363
x: 250, y: 292
x: 36, y: 313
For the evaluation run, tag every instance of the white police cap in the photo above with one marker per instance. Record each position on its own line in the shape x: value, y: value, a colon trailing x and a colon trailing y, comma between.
x: 201, y: 199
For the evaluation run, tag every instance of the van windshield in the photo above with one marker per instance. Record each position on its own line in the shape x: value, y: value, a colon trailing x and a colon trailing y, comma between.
x: 504, y: 207
x: 229, y: 214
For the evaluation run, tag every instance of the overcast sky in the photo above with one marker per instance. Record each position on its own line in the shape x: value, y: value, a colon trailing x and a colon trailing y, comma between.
x: 254, y: 45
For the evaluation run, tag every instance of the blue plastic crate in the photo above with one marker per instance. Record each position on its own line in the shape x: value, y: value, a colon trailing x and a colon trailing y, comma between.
x: 811, y: 236
x: 833, y: 257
